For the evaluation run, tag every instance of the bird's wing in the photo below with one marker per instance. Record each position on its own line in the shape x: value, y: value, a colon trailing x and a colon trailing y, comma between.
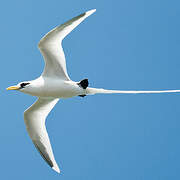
x: 34, y: 118
x: 51, y: 48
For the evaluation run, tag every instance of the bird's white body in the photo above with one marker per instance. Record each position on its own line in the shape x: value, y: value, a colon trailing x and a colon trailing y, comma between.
x: 54, y: 88
x: 58, y: 88
x: 54, y: 83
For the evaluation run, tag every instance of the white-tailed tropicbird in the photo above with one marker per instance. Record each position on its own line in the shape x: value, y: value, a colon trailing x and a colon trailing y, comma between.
x: 54, y: 83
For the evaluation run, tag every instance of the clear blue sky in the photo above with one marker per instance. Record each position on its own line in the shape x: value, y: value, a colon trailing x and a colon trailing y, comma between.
x: 127, y: 45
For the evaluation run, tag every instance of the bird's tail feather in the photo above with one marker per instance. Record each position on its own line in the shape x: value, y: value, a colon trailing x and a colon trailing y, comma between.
x: 92, y: 91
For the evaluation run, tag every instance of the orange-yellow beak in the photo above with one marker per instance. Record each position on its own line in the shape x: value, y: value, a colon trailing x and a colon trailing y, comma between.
x: 12, y: 88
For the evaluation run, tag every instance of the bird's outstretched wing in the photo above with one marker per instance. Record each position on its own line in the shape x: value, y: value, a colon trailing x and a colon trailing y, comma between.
x: 51, y: 48
x: 34, y: 118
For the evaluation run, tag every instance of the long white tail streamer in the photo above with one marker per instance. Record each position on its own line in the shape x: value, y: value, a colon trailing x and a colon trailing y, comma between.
x: 105, y: 91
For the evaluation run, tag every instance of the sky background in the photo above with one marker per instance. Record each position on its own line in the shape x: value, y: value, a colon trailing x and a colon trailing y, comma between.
x: 126, y: 45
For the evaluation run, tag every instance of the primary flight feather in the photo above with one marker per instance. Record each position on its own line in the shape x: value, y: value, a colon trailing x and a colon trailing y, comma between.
x: 53, y: 84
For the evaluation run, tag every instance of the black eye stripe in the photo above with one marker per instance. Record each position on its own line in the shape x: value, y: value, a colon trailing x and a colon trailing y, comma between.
x: 23, y: 84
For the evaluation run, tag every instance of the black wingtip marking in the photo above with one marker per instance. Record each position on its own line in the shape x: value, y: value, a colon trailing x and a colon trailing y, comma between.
x: 77, y: 17
x: 83, y: 14
x: 44, y: 156
x: 84, y: 83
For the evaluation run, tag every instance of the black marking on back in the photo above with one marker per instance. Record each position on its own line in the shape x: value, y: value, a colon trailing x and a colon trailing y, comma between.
x: 84, y: 83
x: 83, y: 95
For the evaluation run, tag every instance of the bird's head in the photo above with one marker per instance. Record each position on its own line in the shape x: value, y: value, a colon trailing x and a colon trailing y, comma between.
x: 20, y: 86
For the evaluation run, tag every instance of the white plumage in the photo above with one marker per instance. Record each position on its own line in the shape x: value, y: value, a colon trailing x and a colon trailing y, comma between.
x: 54, y: 83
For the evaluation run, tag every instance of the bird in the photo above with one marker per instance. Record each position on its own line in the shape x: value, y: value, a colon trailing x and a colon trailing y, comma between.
x: 54, y: 84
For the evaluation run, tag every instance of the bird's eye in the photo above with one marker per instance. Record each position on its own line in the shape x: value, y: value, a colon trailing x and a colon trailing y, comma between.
x: 23, y: 85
